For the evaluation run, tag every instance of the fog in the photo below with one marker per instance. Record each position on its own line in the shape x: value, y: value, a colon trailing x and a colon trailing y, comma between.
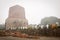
x: 35, y: 10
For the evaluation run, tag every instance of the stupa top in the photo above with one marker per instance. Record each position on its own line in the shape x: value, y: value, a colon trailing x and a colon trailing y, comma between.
x: 17, y: 6
x: 17, y: 12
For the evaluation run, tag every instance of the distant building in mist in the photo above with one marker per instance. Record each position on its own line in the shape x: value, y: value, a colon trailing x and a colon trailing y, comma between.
x: 16, y: 18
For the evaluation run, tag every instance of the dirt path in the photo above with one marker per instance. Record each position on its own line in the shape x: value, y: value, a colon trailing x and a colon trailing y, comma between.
x: 41, y: 38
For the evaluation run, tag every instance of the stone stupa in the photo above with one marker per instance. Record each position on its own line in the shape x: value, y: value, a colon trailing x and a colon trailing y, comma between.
x: 16, y: 18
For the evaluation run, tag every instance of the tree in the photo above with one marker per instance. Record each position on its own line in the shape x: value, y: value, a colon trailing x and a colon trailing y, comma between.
x: 49, y: 20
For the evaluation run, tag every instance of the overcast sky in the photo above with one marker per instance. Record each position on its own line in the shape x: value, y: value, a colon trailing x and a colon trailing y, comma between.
x: 35, y: 10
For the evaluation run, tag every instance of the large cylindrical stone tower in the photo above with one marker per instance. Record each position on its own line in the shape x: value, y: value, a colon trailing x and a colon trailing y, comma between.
x: 16, y: 18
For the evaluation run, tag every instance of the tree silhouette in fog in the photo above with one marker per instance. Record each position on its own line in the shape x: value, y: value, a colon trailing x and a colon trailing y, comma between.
x: 50, y: 20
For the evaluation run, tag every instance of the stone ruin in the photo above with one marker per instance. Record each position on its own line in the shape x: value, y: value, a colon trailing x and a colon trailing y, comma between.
x: 16, y: 18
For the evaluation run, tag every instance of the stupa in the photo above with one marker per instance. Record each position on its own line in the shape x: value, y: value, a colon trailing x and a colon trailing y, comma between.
x: 16, y: 18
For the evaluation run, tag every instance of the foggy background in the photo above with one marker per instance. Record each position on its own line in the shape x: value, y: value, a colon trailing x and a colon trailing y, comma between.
x: 35, y: 10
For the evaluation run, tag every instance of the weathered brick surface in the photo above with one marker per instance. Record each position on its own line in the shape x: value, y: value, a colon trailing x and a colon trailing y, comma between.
x: 16, y: 18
